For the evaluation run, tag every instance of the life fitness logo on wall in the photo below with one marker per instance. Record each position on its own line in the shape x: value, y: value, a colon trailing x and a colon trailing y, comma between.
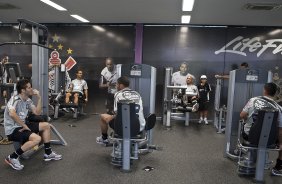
x: 240, y: 45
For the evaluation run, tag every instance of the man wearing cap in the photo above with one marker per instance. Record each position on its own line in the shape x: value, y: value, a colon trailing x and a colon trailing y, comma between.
x: 204, y: 89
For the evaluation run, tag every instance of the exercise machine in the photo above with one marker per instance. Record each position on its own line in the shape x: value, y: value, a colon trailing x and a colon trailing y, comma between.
x: 253, y: 153
x: 59, y: 92
x: 173, y: 108
x: 127, y: 142
x: 219, y: 111
x: 243, y: 85
x: 40, y: 51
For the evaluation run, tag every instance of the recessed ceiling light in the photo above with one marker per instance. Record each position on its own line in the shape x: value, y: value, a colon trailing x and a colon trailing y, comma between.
x: 79, y: 18
x: 111, y: 35
x: 274, y: 32
x: 99, y: 28
x: 185, y: 19
x: 54, y: 5
x: 187, y: 5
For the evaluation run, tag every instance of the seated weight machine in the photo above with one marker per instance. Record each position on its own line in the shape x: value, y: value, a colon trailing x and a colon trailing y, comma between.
x: 177, y: 102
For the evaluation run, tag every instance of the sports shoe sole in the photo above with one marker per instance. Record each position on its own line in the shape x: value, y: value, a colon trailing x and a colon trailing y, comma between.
x: 275, y: 174
x: 49, y: 159
x: 9, y: 163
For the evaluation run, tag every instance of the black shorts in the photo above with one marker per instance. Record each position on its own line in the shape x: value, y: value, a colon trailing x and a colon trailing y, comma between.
x: 112, y: 123
x: 203, y: 106
x: 110, y: 101
x: 23, y: 137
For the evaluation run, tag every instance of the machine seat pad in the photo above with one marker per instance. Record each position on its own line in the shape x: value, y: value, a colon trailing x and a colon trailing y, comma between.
x: 248, y: 144
x: 68, y: 105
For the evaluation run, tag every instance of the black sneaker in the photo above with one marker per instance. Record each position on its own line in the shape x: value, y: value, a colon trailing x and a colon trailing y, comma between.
x: 276, y: 172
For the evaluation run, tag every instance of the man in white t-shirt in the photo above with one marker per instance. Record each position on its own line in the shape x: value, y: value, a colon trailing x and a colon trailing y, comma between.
x: 108, y: 81
x: 250, y: 111
x: 124, y: 93
x: 78, y: 88
x: 179, y: 77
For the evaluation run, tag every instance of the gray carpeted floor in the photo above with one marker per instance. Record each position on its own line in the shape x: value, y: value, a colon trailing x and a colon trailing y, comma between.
x: 191, y: 154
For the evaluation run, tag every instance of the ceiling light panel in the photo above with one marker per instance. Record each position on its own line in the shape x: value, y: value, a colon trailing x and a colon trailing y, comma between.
x: 185, y: 19
x: 187, y: 5
x: 80, y: 18
x: 54, y: 5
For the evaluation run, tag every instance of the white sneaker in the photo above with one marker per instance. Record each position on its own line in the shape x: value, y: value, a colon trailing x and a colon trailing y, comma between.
x: 14, y: 163
x: 200, y: 120
x: 206, y: 121
x: 52, y: 156
x: 102, y: 141
x: 66, y: 110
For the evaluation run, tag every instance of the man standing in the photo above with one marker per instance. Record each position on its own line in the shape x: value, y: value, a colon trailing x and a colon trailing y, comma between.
x: 179, y: 77
x: 124, y: 93
x: 108, y: 81
x: 19, y: 130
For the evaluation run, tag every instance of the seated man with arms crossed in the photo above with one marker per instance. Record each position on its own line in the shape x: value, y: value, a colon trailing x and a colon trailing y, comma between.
x: 78, y: 87
x: 189, y: 96
x: 250, y: 111
x: 19, y: 130
x: 124, y: 93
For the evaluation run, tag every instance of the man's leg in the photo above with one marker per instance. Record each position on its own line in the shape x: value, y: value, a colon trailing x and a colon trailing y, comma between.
x: 67, y: 99
x: 75, y: 100
x: 277, y: 170
x: 28, y: 139
x: 105, y: 119
x: 45, y: 129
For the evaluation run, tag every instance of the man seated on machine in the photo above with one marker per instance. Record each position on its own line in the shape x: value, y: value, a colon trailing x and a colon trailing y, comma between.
x: 250, y: 111
x: 124, y: 93
x: 19, y: 130
x: 189, y: 96
x: 78, y: 88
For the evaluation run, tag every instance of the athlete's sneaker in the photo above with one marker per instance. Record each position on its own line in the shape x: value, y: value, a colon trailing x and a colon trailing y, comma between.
x: 72, y: 109
x: 206, y: 121
x: 52, y: 156
x: 200, y: 120
x: 102, y: 141
x: 276, y: 172
x: 14, y: 163
x: 66, y: 110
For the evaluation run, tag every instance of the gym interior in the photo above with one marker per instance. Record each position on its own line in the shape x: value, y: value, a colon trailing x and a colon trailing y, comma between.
x: 147, y: 45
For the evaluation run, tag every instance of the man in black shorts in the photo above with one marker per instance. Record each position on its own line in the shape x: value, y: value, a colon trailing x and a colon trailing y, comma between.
x: 18, y: 129
x: 124, y: 93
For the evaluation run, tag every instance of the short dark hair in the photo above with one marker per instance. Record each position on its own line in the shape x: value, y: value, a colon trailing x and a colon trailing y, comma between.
x: 79, y: 70
x: 123, y: 80
x: 270, y: 88
x: 21, y: 84
x: 245, y: 64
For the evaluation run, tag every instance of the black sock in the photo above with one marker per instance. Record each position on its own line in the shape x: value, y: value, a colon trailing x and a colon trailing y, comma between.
x: 17, y: 153
x: 105, y: 136
x: 278, y: 164
x: 47, y: 147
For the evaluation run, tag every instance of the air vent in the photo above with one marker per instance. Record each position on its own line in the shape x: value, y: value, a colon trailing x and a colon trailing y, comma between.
x: 7, y: 6
x: 262, y: 6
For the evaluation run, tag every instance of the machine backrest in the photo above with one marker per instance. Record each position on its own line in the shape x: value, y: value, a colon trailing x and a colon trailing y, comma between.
x: 264, y: 132
x: 150, y: 121
x: 133, y: 120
